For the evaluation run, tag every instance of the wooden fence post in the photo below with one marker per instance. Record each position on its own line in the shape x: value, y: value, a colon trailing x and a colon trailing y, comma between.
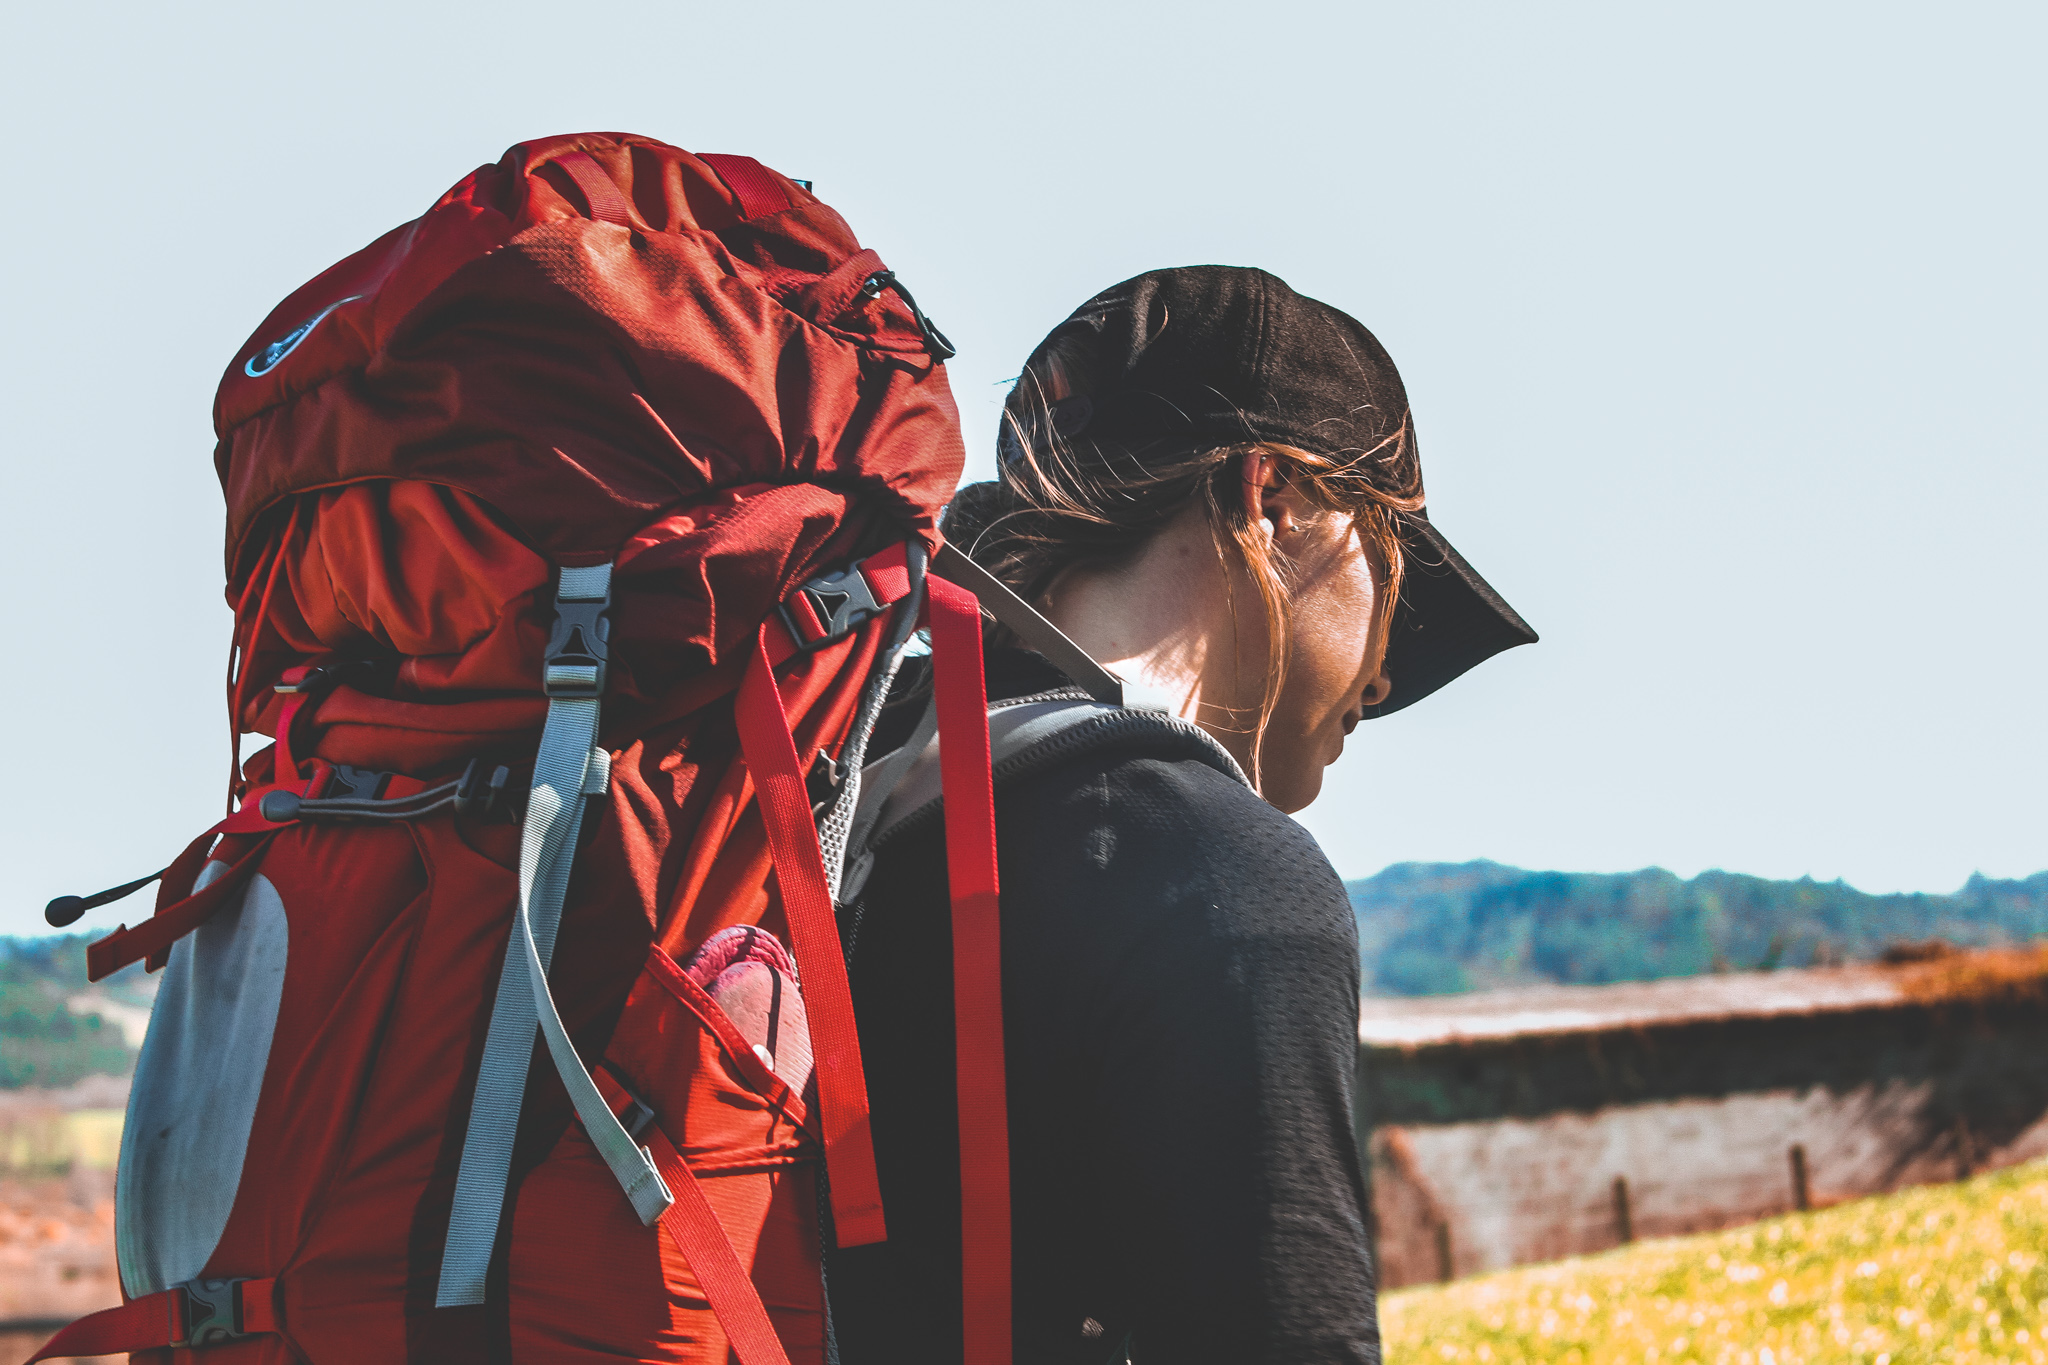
x: 1802, y: 1197
x: 1623, y: 1224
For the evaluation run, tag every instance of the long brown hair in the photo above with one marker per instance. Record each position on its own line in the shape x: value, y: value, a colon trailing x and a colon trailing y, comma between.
x: 1065, y: 503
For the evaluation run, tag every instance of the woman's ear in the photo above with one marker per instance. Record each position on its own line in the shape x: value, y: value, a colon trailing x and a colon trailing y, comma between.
x: 1266, y: 498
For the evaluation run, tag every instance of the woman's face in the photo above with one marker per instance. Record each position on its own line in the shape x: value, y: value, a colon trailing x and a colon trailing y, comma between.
x: 1193, y: 632
x: 1335, y: 665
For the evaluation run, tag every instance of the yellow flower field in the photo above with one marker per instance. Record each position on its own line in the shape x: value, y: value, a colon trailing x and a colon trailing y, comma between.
x: 1949, y: 1273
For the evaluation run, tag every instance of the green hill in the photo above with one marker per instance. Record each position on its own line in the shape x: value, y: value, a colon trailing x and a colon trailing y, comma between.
x: 44, y: 1040
x: 1441, y: 928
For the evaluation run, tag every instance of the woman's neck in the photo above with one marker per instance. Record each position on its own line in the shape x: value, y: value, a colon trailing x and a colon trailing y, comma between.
x: 1163, y: 622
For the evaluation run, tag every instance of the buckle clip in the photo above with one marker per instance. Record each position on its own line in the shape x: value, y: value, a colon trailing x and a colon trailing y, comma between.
x: 841, y: 601
x: 579, y: 651
x: 213, y: 1312
x: 353, y: 784
x: 320, y: 679
x: 485, y: 793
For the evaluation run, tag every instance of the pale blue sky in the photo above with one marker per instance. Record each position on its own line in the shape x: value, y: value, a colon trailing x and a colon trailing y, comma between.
x: 1723, y: 324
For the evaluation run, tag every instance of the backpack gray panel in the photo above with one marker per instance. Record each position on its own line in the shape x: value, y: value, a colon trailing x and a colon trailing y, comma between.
x: 196, y: 1084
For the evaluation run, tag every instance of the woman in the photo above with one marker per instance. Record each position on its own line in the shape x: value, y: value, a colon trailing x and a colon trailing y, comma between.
x: 1210, y: 483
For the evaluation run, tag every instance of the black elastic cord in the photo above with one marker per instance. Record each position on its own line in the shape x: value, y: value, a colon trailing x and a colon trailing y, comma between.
x: 356, y: 808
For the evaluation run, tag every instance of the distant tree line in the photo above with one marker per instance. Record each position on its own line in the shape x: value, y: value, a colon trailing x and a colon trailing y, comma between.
x: 43, y: 1041
x: 1441, y: 928
x: 1423, y: 929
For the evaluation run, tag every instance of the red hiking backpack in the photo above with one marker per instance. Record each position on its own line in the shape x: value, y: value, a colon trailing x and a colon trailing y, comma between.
x: 574, y: 527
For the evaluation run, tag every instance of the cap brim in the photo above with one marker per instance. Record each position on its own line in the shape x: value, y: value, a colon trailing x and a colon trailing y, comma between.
x: 1448, y: 619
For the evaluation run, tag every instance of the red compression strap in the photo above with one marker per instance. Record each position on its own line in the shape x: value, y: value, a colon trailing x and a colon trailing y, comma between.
x: 155, y: 935
x: 693, y: 1226
x: 961, y: 696
x: 152, y: 1322
x: 770, y: 754
x: 259, y: 1306
x: 888, y: 574
x: 753, y: 184
x: 600, y: 191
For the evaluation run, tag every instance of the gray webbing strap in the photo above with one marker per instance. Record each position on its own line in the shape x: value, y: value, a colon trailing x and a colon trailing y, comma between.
x: 1033, y: 629
x: 569, y: 768
x: 1022, y: 732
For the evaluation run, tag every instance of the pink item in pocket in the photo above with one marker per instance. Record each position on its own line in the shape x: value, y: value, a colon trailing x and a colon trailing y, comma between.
x: 751, y: 976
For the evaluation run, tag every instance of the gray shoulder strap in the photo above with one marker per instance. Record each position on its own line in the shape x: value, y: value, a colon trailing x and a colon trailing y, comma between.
x: 901, y: 791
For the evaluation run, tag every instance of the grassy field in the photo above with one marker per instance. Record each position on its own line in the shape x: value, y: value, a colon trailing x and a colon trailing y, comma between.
x: 1948, y: 1273
x: 46, y: 1142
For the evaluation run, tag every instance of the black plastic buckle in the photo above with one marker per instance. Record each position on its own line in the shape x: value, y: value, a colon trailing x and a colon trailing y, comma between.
x: 842, y: 602
x: 578, y: 647
x: 353, y: 784
x: 486, y: 793
x: 637, y: 1117
x: 213, y: 1312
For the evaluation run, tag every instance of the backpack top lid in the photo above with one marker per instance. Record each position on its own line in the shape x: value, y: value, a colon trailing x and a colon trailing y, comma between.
x: 596, y: 332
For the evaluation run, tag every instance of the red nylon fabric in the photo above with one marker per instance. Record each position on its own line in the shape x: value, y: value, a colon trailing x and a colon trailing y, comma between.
x: 507, y: 385
x: 693, y: 1226
x: 960, y: 694
x: 585, y: 379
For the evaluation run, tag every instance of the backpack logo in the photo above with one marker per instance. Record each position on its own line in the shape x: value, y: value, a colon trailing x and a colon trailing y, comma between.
x: 266, y: 360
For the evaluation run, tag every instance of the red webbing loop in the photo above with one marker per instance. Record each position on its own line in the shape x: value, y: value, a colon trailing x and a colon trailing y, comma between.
x: 961, y: 697
x: 692, y: 1224
x: 888, y: 574
x: 607, y: 202
x: 154, y: 1322
x: 239, y: 671
x: 753, y: 184
x: 173, y: 920
x: 770, y: 754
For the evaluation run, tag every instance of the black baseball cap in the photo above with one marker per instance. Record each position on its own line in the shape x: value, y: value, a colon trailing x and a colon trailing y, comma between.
x: 1224, y: 355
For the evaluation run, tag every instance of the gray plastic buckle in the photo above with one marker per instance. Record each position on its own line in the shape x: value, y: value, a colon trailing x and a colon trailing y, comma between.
x: 579, y: 649
x: 843, y: 602
x: 213, y: 1312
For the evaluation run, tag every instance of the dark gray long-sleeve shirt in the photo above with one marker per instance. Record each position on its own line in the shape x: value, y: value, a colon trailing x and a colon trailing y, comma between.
x: 1180, y: 988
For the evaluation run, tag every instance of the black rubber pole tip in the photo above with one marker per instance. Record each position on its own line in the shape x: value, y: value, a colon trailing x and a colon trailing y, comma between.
x: 64, y: 910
